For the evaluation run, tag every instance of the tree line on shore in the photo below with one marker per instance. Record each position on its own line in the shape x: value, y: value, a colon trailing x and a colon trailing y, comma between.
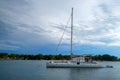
x: 6, y: 56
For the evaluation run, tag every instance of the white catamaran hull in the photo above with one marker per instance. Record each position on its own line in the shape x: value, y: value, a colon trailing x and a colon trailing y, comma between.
x: 74, y: 65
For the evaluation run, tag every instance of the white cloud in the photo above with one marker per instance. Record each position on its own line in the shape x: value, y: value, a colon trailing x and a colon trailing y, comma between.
x: 6, y: 46
x: 96, y: 22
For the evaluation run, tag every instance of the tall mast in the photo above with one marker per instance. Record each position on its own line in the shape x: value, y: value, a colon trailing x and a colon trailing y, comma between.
x: 71, y: 33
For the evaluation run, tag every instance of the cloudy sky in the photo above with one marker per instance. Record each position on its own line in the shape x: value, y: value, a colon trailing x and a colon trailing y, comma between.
x: 36, y: 26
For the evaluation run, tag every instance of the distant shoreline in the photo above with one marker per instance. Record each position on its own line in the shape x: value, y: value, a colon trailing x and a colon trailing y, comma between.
x: 6, y: 56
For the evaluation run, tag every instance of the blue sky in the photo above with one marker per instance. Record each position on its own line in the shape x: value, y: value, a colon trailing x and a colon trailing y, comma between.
x: 36, y: 26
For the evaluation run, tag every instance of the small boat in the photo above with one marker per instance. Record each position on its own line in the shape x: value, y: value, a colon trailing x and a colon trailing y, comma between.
x: 81, y: 61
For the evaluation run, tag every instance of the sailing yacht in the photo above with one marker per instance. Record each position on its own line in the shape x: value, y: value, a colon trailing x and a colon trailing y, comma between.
x: 81, y: 61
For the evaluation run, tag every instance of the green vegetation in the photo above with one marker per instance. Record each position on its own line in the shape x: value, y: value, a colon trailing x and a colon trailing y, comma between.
x: 105, y: 57
x: 6, y: 56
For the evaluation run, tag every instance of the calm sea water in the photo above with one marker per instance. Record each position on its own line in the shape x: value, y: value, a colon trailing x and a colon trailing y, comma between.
x: 36, y: 70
